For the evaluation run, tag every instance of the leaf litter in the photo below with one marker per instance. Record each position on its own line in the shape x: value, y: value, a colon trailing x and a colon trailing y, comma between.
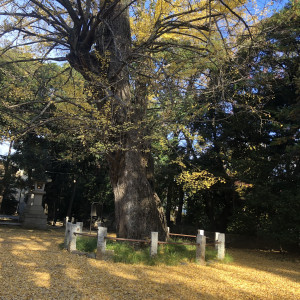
x: 32, y: 266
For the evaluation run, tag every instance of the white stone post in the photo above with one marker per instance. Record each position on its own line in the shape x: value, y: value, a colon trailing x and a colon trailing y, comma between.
x: 200, y: 249
x: 80, y: 225
x: 221, y: 246
x: 154, y: 243
x: 67, y: 234
x: 66, y: 231
x: 101, y: 242
x: 168, y: 233
x: 200, y: 232
x: 216, y: 239
x: 74, y: 228
x: 66, y: 226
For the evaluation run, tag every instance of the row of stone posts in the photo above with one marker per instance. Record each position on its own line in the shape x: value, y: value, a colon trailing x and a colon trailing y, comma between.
x: 70, y: 242
x: 71, y: 231
x: 219, y: 242
x: 200, y: 244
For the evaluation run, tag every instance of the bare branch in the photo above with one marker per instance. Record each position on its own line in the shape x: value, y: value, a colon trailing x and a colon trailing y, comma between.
x: 34, y: 59
x: 238, y: 16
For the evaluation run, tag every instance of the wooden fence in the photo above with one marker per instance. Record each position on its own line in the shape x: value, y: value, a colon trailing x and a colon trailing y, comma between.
x: 74, y: 230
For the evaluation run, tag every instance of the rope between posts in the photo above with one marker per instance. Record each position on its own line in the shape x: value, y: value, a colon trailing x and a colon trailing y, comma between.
x: 141, y: 241
x: 212, y: 244
x: 128, y: 240
x: 186, y: 235
x: 85, y: 234
x: 148, y: 242
x: 174, y: 243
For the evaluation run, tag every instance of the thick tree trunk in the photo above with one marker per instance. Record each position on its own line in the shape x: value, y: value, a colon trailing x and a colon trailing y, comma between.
x: 137, y: 207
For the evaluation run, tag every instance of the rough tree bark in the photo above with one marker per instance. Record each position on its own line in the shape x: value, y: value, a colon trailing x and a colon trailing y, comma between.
x: 137, y: 207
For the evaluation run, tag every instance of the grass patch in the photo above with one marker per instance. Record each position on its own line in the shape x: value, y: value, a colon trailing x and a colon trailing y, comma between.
x: 228, y: 259
x: 168, y: 254
x: 86, y: 244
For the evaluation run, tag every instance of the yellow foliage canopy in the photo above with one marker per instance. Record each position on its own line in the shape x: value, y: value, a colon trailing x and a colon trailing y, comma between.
x: 195, y: 181
x: 189, y: 18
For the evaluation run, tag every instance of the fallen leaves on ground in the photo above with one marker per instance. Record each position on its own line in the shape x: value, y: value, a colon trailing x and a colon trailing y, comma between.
x: 33, y: 267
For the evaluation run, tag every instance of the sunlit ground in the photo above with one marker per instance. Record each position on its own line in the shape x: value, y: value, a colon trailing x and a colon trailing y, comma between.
x: 33, y: 267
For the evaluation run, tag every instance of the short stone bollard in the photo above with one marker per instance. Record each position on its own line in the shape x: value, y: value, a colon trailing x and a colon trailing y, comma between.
x: 200, y: 249
x: 67, y: 234
x: 221, y: 246
x: 154, y: 243
x: 200, y: 232
x: 74, y: 228
x: 101, y: 243
x: 80, y: 225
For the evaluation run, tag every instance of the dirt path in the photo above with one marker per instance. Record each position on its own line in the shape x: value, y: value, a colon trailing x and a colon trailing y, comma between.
x: 33, y: 267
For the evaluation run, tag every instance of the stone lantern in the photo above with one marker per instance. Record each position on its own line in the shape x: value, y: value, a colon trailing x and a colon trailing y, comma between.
x: 34, y: 216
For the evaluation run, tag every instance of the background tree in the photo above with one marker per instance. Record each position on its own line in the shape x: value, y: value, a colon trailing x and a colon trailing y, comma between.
x: 274, y: 157
x: 230, y: 128
x: 246, y: 132
x: 27, y: 88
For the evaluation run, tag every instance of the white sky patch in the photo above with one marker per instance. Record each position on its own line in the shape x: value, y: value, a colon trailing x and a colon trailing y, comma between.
x: 4, y: 146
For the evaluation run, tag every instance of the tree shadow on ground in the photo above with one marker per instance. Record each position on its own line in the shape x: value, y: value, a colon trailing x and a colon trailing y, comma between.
x: 33, y: 266
x: 283, y: 265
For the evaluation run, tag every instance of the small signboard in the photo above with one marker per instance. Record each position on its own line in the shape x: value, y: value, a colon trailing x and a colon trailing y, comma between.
x: 94, y: 210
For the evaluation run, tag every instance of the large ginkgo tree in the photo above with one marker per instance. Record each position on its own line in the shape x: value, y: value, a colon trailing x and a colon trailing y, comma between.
x: 123, y: 49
